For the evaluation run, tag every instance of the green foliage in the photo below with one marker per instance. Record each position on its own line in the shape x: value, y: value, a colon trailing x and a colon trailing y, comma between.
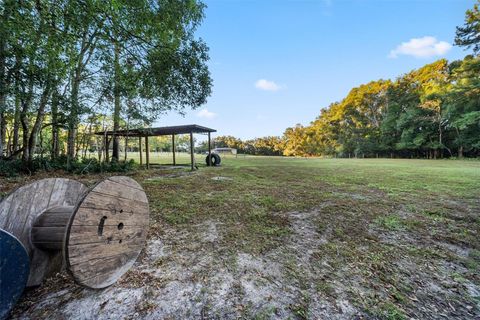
x: 9, y: 168
x: 266, y: 146
x: 469, y: 35
x: 64, y: 65
x: 430, y: 112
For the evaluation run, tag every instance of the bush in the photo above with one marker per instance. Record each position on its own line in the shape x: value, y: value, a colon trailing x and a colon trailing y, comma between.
x: 9, y: 168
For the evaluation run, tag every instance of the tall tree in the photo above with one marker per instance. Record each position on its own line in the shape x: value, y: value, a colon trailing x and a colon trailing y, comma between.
x: 468, y: 35
x: 153, y: 62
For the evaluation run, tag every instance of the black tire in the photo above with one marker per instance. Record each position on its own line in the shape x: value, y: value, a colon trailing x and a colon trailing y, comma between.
x: 215, y: 160
x: 218, y: 160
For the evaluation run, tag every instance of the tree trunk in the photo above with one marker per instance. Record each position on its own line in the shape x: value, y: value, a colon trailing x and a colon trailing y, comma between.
x: 3, y: 132
x: 26, y: 102
x: 55, y: 151
x: 460, y: 152
x: 16, y: 122
x: 73, y: 121
x: 32, y: 141
x: 3, y: 84
x: 126, y: 140
x: 24, y: 122
x: 440, y: 141
x: 117, y: 107
x: 87, y: 48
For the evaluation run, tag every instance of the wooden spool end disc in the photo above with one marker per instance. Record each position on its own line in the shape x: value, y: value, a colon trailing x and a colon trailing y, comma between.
x: 107, y: 232
x: 14, y: 270
x: 20, y: 209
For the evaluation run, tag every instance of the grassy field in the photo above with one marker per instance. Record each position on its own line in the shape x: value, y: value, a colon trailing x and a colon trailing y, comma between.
x: 263, y: 237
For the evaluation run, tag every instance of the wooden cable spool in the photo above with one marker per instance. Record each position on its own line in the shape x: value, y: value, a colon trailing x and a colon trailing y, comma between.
x: 99, y: 233
x: 14, y: 269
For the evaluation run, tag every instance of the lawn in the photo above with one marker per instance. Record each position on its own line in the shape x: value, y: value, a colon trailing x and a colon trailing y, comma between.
x: 273, y: 237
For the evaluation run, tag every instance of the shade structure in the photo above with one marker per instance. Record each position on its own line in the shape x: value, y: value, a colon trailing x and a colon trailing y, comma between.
x: 159, y: 131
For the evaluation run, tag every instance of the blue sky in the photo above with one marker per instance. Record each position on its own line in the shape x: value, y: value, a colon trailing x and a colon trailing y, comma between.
x: 276, y: 63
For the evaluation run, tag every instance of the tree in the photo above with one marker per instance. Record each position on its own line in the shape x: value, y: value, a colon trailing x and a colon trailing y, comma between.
x: 151, y: 54
x: 463, y: 105
x: 63, y: 63
x: 469, y: 34
x: 295, y: 141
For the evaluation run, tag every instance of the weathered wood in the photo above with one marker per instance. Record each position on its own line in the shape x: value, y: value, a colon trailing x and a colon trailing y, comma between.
x: 192, y: 159
x: 107, y: 232
x: 20, y: 209
x: 173, y: 149
x: 103, y: 277
x: 140, y: 149
x: 147, y: 153
x: 106, y: 147
x: 101, y: 233
x: 80, y: 234
x: 48, y: 231
x: 209, y: 151
x: 92, y: 216
x: 126, y: 181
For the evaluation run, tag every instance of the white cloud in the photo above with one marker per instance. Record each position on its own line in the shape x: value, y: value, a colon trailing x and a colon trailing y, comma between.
x: 267, y: 85
x: 204, y: 113
x: 421, y: 48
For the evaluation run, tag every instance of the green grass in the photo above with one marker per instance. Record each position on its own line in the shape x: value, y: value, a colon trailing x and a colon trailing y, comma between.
x: 261, y: 187
x: 413, y: 202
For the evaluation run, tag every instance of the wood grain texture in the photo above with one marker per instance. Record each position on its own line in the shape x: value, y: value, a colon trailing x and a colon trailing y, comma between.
x: 97, y: 255
x: 20, y: 209
x: 48, y: 231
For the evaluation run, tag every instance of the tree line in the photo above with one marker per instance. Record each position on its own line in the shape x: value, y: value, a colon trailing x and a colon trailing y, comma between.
x: 69, y: 68
x: 431, y: 112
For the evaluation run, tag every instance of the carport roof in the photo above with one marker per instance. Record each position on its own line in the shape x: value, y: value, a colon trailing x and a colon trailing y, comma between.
x: 159, y: 131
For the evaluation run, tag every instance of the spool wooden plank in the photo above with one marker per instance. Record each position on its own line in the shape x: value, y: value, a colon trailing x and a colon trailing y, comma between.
x: 115, y: 189
x: 21, y: 208
x: 112, y: 203
x: 89, y: 234
x: 102, y: 275
x: 4, y: 208
x: 107, y: 232
x: 95, y: 250
x: 89, y: 217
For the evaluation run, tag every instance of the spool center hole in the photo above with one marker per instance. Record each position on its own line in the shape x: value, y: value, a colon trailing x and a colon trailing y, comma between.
x: 120, y: 226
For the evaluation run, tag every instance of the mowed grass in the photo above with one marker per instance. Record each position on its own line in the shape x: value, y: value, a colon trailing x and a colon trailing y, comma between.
x: 384, y: 222
x: 256, y: 187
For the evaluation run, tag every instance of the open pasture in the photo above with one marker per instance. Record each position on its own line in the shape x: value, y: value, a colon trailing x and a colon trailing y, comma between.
x: 274, y: 237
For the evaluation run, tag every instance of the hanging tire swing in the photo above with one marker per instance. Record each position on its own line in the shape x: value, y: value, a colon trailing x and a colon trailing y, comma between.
x: 214, y: 160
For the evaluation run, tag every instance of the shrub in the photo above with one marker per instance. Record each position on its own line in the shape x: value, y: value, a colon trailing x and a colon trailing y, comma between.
x: 9, y: 168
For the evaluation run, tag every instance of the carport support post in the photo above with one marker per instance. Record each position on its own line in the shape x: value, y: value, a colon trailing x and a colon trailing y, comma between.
x: 191, y: 151
x: 209, y: 151
x: 140, y: 149
x: 147, y: 154
x: 173, y: 148
x: 107, y: 145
